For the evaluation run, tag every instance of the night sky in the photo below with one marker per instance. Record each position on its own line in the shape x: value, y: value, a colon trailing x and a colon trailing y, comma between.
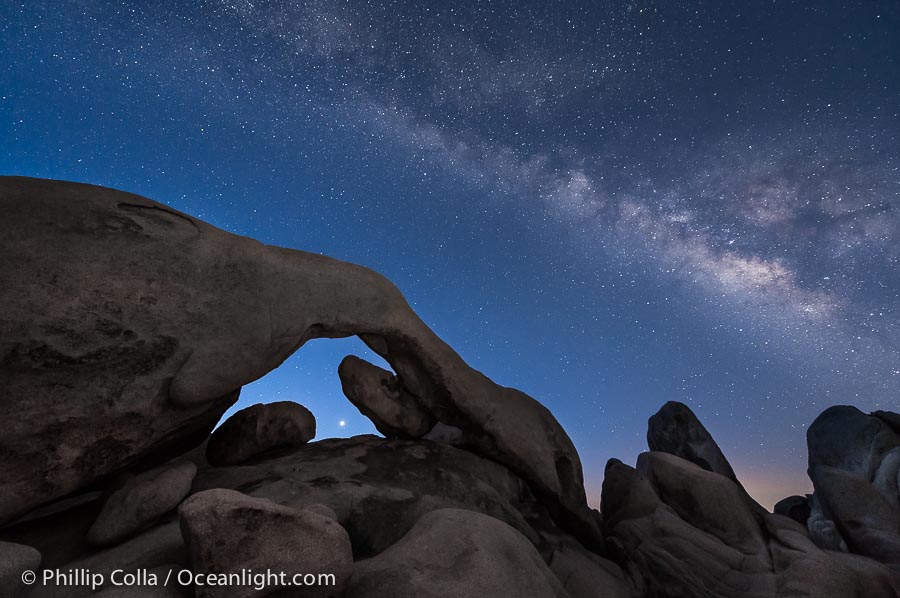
x: 605, y: 204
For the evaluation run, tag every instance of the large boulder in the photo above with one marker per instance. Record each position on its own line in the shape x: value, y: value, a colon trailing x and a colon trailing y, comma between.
x: 227, y: 532
x: 674, y: 429
x: 867, y: 523
x: 822, y: 530
x: 259, y: 428
x: 452, y: 553
x: 854, y: 464
x: 379, y: 395
x: 128, y: 329
x: 142, y: 501
x: 846, y: 438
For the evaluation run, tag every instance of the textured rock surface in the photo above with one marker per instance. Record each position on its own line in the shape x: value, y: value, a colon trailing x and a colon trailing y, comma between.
x: 452, y: 553
x: 379, y: 488
x: 867, y: 523
x: 678, y: 529
x: 14, y: 560
x: 822, y: 530
x: 846, y: 438
x: 674, y: 429
x: 128, y: 329
x: 887, y: 477
x: 259, y: 428
x: 584, y: 574
x: 227, y: 531
x: 141, y: 501
x: 380, y: 396
x: 853, y: 462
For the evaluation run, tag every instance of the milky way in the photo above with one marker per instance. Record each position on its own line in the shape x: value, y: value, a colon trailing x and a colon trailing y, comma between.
x: 609, y: 205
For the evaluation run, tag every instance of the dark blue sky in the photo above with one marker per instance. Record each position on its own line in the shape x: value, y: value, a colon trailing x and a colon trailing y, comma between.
x: 608, y: 205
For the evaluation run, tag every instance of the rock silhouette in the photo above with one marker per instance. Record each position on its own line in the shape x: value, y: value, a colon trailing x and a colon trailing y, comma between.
x: 129, y: 329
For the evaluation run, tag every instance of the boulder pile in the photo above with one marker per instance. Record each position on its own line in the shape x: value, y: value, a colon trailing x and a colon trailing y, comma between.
x: 128, y: 330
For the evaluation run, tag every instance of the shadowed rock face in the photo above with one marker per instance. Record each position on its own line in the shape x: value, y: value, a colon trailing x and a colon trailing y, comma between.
x: 226, y: 531
x: 379, y: 487
x: 141, y: 501
x: 679, y: 530
x: 14, y: 559
x: 259, y: 428
x: 674, y: 429
x: 680, y: 524
x: 376, y: 489
x: 854, y: 460
x: 451, y: 553
x: 794, y: 507
x: 128, y: 329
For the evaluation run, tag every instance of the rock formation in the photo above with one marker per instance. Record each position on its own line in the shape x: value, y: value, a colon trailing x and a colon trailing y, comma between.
x: 260, y: 428
x: 380, y: 396
x: 680, y: 527
x: 226, y: 531
x: 794, y: 507
x: 674, y: 429
x: 854, y: 463
x: 451, y: 552
x: 129, y: 329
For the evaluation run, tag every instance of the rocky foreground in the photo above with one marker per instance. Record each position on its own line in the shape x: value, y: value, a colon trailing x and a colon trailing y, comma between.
x: 129, y: 328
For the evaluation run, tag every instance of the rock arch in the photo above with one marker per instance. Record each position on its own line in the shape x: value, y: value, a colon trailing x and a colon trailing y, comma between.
x: 129, y: 328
